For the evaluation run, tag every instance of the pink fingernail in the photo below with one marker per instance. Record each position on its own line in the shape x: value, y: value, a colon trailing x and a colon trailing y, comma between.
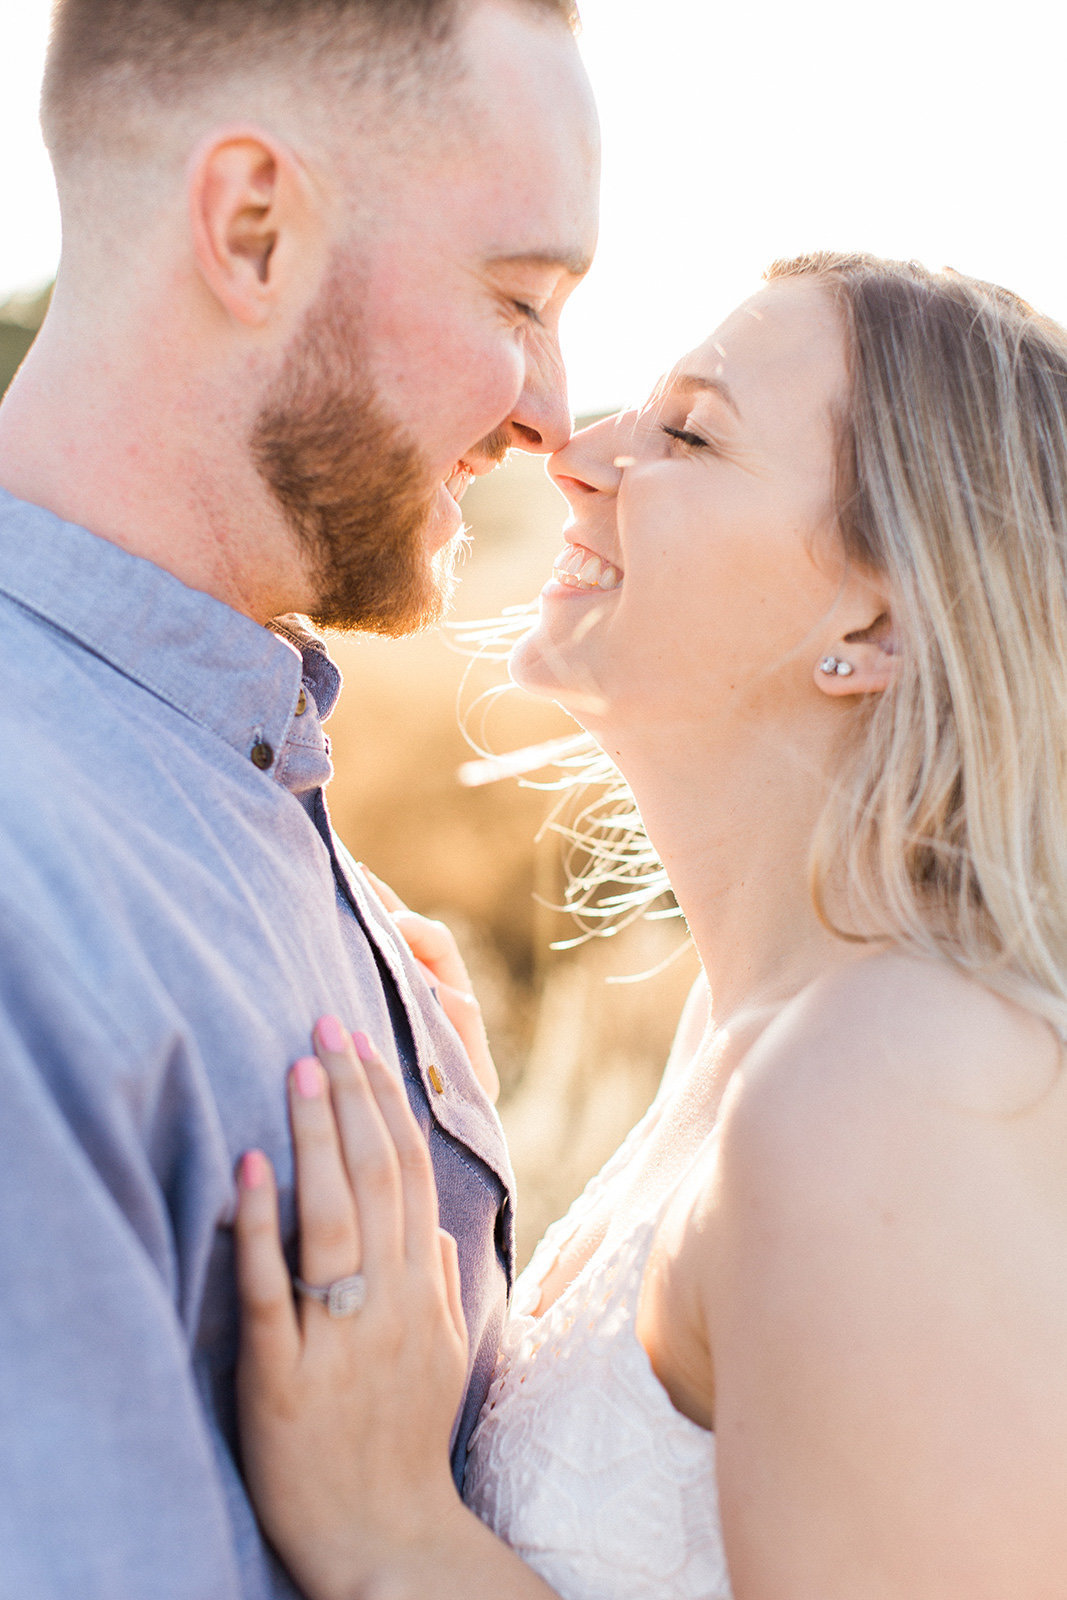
x: 332, y: 1036
x: 364, y: 1049
x: 253, y: 1169
x: 307, y: 1075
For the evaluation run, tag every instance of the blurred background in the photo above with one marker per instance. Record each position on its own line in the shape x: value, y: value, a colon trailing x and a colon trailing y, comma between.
x: 732, y: 134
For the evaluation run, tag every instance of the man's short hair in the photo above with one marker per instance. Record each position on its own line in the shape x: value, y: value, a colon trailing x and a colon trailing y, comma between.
x: 109, y: 60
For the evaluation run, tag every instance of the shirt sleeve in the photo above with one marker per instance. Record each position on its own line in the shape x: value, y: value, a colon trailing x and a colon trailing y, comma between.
x: 109, y: 1485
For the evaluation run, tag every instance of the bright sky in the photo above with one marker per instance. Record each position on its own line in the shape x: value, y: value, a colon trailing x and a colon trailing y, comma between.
x: 733, y: 133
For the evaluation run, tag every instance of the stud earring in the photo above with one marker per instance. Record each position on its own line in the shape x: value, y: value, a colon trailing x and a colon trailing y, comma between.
x: 835, y: 668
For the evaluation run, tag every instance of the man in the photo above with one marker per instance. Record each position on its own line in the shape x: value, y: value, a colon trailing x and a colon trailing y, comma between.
x: 314, y: 258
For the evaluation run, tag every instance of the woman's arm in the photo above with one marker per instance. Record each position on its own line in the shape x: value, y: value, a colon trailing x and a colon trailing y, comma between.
x: 345, y: 1422
x: 885, y: 1295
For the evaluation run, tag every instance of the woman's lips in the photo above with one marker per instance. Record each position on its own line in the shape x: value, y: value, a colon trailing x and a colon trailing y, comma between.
x: 578, y: 568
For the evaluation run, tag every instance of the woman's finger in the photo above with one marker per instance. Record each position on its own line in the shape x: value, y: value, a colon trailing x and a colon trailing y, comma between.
x: 465, y: 1015
x: 370, y: 1157
x: 413, y: 1158
x: 330, y: 1245
x: 430, y: 975
x: 453, y: 1282
x: 433, y: 943
x: 387, y: 895
x: 270, y: 1337
x: 435, y: 949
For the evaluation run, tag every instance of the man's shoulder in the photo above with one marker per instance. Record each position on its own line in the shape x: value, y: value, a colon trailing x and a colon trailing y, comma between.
x: 56, y: 744
x: 51, y: 687
x: 76, y: 731
x: 78, y: 777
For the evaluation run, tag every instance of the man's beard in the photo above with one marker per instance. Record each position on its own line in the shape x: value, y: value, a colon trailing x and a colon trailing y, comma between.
x: 353, y: 489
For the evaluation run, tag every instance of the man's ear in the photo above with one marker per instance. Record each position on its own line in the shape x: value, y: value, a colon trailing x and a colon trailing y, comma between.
x: 863, y: 662
x: 250, y: 202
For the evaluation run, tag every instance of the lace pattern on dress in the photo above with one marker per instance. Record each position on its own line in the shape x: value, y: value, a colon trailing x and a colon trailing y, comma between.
x: 579, y: 1461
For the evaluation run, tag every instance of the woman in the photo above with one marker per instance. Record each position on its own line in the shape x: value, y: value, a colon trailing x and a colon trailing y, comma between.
x: 812, y: 1320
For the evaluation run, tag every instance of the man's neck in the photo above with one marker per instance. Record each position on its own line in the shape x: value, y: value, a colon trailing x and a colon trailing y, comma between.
x: 126, y: 444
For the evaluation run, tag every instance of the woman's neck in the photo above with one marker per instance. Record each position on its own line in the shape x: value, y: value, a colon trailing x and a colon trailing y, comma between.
x: 732, y: 823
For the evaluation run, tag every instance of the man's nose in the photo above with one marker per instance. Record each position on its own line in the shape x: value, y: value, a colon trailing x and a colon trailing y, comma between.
x: 541, y: 421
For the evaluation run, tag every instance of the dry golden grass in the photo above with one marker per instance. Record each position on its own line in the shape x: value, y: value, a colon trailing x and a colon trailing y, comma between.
x: 579, y: 1058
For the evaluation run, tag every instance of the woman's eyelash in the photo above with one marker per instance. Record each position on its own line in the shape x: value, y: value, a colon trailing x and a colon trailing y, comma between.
x: 529, y: 312
x: 685, y: 437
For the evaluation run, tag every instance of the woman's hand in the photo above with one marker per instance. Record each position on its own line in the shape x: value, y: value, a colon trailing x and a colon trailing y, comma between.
x: 435, y: 949
x: 345, y: 1422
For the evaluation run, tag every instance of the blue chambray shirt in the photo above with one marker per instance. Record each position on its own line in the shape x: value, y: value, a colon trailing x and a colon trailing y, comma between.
x: 172, y: 921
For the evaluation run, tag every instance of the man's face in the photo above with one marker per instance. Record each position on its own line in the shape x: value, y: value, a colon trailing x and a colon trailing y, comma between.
x: 433, y: 344
x: 353, y: 488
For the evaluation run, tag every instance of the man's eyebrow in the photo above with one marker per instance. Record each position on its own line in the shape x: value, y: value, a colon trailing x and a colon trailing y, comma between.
x: 690, y: 382
x: 572, y: 261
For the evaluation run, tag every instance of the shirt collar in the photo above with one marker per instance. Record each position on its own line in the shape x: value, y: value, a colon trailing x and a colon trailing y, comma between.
x: 321, y: 674
x: 214, y: 665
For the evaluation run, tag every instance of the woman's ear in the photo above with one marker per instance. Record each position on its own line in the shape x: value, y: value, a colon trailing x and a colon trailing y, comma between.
x: 248, y: 196
x: 864, y: 662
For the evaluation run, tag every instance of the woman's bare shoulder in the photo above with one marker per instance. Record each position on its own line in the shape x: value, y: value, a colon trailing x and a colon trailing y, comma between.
x: 916, y: 1031
x: 897, y: 1087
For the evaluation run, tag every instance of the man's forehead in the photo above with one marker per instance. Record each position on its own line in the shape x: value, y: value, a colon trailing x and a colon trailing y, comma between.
x: 523, y: 79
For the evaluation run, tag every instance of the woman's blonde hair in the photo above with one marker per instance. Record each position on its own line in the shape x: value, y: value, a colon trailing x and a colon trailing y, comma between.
x: 947, y: 823
x: 946, y: 828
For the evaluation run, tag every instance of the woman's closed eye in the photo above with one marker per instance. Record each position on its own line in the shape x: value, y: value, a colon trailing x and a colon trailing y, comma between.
x: 692, y: 441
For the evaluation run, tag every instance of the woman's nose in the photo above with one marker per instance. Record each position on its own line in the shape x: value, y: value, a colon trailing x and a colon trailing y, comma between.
x: 592, y: 460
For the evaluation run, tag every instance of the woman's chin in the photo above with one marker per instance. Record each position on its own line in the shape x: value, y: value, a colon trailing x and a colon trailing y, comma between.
x: 530, y: 668
x: 539, y: 667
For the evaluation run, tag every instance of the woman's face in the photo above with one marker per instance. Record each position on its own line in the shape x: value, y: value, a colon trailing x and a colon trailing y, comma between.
x: 702, y: 565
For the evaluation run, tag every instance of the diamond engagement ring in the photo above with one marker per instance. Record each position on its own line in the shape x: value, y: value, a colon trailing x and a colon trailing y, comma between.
x: 342, y: 1298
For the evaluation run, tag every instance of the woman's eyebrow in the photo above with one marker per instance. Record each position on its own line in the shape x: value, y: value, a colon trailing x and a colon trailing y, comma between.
x: 690, y: 382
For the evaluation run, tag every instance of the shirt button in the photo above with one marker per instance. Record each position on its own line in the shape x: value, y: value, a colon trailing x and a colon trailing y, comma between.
x: 436, y: 1079
x: 301, y: 704
x: 262, y: 755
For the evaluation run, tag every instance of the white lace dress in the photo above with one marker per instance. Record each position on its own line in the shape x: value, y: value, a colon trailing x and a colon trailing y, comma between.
x: 579, y: 1461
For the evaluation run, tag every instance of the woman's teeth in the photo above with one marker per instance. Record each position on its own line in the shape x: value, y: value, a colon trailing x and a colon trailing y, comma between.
x: 577, y: 568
